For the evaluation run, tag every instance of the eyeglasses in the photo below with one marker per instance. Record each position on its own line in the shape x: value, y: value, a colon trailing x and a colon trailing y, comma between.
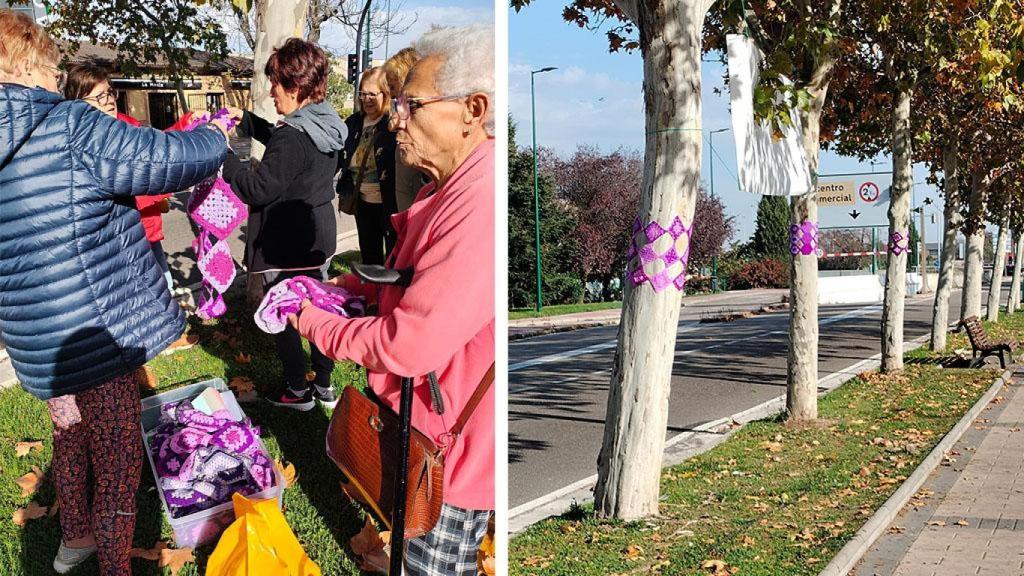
x: 402, y: 107
x: 369, y: 94
x: 59, y: 75
x: 104, y: 98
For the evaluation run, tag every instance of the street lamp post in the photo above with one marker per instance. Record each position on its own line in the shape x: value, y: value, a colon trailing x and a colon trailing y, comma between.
x: 536, y: 187
x: 711, y: 165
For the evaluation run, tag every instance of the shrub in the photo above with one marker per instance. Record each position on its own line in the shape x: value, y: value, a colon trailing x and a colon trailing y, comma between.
x: 767, y: 273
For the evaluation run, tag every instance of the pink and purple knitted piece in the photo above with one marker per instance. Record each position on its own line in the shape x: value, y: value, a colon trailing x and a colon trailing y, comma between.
x: 201, y: 460
x: 898, y: 243
x: 217, y: 211
x: 286, y: 298
x: 661, y: 269
x: 803, y: 239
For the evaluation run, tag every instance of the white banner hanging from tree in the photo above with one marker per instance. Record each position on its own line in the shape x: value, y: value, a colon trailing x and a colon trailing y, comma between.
x: 767, y: 165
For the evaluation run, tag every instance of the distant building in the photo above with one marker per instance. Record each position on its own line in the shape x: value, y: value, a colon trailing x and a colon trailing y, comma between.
x: 33, y: 9
x: 152, y: 98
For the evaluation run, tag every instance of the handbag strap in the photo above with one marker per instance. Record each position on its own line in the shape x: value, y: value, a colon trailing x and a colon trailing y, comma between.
x: 474, y: 401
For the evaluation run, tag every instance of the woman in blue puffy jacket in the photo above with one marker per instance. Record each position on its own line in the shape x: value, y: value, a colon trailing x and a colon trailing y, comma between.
x: 83, y: 303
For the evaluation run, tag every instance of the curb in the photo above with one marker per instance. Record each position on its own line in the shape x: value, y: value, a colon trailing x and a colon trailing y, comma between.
x: 848, y: 557
x: 686, y: 445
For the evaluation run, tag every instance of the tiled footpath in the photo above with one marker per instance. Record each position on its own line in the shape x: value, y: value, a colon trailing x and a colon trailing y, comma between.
x: 968, y: 518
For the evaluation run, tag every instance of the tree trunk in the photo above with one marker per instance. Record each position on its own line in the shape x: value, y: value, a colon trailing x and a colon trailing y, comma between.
x: 995, y: 288
x: 276, y: 21
x: 629, y: 465
x: 1014, y: 302
x: 951, y: 225
x: 899, y: 235
x: 974, y: 263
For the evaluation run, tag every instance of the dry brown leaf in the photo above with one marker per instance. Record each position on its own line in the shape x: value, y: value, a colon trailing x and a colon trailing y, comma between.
x: 716, y: 567
x: 23, y: 448
x: 243, y: 358
x: 148, y: 553
x: 30, y: 482
x: 367, y: 540
x: 30, y: 512
x: 632, y: 551
x: 146, y: 377
x: 288, y: 470
x: 175, y: 559
x: 186, y: 341
x: 485, y: 555
x: 772, y: 446
x: 310, y: 376
x: 241, y: 385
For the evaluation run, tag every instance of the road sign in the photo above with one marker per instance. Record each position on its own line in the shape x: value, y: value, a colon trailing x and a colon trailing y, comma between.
x: 853, y: 200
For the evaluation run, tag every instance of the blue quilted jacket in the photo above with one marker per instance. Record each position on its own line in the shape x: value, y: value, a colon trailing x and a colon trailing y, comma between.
x: 82, y: 299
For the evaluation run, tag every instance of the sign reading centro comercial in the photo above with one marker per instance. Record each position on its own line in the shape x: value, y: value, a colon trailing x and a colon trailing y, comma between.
x: 853, y: 200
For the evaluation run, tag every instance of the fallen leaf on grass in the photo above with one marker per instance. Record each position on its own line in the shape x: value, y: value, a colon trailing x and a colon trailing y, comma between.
x: 288, y: 470
x: 718, y: 567
x: 175, y: 559
x: 185, y: 341
x: 23, y: 448
x: 30, y: 482
x: 538, y: 561
x: 146, y: 377
x: 632, y: 551
x: 310, y: 376
x: 772, y: 446
x: 243, y: 358
x: 30, y: 512
x: 485, y: 555
x: 371, y: 548
x: 244, y: 388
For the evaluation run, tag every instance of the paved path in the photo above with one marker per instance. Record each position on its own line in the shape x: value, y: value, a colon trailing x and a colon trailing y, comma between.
x: 558, y: 383
x: 970, y: 519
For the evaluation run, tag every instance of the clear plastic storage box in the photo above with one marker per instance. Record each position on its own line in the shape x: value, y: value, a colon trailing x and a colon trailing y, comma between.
x: 205, y: 526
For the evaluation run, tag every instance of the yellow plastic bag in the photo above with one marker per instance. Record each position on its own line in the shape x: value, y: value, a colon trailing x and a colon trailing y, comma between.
x: 259, y: 543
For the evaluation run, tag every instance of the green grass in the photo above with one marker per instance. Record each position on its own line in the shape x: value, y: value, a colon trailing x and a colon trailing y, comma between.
x: 321, y: 517
x: 774, y: 499
x: 560, y: 309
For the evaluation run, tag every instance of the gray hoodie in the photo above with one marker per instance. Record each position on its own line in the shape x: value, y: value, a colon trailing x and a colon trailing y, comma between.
x: 320, y: 121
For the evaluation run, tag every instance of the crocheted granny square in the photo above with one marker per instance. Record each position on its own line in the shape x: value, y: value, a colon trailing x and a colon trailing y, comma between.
x: 217, y: 267
x: 216, y: 208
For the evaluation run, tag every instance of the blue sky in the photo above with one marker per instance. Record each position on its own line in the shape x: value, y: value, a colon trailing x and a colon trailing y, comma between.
x: 596, y: 98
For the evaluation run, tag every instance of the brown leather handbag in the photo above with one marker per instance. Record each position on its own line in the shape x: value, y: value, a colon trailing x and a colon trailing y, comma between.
x: 363, y: 440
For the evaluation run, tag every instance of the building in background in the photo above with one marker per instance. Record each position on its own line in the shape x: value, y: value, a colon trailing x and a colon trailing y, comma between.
x: 152, y: 98
x: 34, y: 9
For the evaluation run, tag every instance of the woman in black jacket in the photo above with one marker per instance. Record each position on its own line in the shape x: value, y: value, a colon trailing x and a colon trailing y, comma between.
x: 368, y: 168
x: 292, y: 230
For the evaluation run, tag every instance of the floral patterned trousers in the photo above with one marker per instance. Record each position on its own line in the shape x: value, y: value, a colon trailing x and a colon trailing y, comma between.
x: 99, y: 428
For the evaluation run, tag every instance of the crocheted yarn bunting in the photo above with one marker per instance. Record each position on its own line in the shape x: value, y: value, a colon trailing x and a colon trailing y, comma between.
x: 217, y: 267
x: 659, y: 268
x: 803, y: 239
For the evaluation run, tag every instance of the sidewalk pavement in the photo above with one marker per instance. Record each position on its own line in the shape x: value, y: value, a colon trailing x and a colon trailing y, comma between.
x: 695, y: 309
x: 968, y: 518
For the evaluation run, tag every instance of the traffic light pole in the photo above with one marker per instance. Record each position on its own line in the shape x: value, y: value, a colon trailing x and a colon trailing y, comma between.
x: 364, y: 17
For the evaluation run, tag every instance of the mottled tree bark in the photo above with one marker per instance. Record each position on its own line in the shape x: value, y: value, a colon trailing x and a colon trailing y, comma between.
x: 629, y: 466
x: 951, y: 226
x: 276, y: 21
x: 974, y: 230
x: 899, y: 223
x: 1014, y: 301
x: 995, y: 288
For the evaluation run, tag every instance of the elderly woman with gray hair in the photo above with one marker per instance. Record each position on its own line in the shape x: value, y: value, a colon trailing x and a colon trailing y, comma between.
x: 444, y: 321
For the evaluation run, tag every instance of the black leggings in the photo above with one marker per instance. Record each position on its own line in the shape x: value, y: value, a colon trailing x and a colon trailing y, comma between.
x: 376, y: 237
x: 289, y: 342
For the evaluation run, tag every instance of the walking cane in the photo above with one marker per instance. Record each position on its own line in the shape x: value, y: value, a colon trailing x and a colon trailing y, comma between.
x: 386, y: 277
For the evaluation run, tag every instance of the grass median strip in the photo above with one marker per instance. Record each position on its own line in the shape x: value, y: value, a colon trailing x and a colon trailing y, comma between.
x: 774, y: 499
x: 561, y: 309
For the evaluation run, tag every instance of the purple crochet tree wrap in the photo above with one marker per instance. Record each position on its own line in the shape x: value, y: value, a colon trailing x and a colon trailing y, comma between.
x: 217, y: 212
x: 660, y: 269
x: 803, y: 239
x: 899, y: 243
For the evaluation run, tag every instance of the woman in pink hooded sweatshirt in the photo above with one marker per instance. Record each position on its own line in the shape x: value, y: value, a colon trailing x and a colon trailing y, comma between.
x: 444, y: 321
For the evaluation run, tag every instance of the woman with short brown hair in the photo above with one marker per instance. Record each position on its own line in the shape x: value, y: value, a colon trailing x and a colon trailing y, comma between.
x: 292, y: 229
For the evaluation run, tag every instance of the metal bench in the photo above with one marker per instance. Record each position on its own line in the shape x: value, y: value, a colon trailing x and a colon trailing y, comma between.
x: 983, y: 345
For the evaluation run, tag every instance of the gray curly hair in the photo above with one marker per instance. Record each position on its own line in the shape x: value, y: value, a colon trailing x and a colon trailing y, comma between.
x: 468, y: 53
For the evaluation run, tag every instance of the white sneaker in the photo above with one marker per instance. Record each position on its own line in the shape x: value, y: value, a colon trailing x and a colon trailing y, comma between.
x: 68, y: 558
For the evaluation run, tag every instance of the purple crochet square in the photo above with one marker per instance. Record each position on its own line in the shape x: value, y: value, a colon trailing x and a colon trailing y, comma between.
x: 898, y: 244
x: 803, y: 238
x: 653, y: 232
x: 216, y: 208
x: 677, y: 229
x: 217, y: 267
x: 640, y: 258
x: 680, y: 281
x: 660, y: 280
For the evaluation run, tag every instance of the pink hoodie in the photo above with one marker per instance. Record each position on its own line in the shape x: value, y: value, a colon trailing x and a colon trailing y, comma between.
x: 443, y: 322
